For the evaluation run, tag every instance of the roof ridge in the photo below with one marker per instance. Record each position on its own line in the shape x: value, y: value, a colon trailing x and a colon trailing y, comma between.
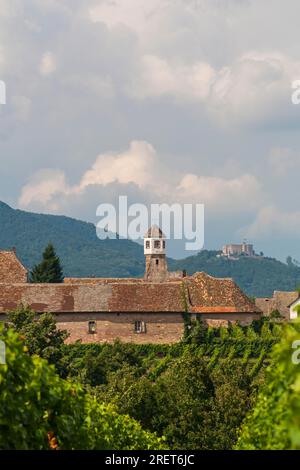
x: 213, y: 277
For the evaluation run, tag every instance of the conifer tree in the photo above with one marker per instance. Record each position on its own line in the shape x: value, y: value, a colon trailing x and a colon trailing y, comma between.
x: 49, y: 270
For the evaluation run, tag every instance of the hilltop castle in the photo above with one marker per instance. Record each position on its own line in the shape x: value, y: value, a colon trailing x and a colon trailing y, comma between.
x: 148, y: 310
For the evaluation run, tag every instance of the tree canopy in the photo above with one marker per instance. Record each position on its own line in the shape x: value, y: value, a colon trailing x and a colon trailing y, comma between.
x: 40, y: 333
x: 274, y: 422
x: 49, y: 270
x: 42, y: 411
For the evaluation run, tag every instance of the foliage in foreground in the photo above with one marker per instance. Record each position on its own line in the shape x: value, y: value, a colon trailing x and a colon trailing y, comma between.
x: 40, y: 333
x: 193, y: 406
x: 274, y: 422
x: 195, y: 393
x: 39, y: 410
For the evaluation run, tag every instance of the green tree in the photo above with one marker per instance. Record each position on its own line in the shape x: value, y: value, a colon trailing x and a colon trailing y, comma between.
x: 198, y: 331
x: 184, y: 397
x: 40, y: 333
x: 196, y: 393
x: 49, y: 270
x: 42, y: 411
x: 274, y: 423
x: 234, y: 394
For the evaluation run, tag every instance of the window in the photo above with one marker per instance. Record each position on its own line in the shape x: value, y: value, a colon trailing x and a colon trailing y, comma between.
x: 157, y: 244
x: 139, y: 326
x: 157, y: 262
x: 164, y: 244
x: 92, y: 327
x: 147, y: 244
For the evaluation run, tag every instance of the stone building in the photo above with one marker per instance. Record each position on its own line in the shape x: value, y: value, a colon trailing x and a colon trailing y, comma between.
x: 281, y: 301
x: 244, y: 249
x: 148, y: 310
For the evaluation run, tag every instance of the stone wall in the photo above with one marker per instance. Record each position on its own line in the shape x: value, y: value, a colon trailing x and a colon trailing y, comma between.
x: 156, y: 268
x: 220, y: 319
x: 160, y: 327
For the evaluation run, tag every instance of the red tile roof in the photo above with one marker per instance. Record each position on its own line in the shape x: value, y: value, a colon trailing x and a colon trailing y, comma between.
x: 199, y: 294
x: 208, y: 294
x: 147, y: 297
x: 11, y: 269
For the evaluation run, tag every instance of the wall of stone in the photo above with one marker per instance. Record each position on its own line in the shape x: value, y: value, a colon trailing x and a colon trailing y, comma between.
x: 156, y: 272
x: 220, y: 319
x: 160, y: 327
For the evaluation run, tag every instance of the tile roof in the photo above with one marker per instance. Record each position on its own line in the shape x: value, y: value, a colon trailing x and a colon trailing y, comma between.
x: 208, y: 294
x: 101, y: 280
x: 101, y: 297
x: 147, y: 297
x: 154, y: 232
x: 11, y: 269
x: 200, y: 293
x: 279, y: 301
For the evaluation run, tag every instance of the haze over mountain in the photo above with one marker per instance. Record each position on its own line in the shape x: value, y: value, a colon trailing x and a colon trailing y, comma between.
x: 83, y: 254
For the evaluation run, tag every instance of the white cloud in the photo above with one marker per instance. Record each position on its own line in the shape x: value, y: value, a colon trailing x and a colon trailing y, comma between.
x: 48, y: 64
x: 157, y: 78
x: 271, y: 222
x: 135, y: 14
x: 22, y: 106
x: 136, y: 165
x: 254, y: 89
x: 10, y: 8
x: 282, y: 160
x: 176, y: 73
x: 42, y: 189
x: 219, y: 194
x: 140, y: 166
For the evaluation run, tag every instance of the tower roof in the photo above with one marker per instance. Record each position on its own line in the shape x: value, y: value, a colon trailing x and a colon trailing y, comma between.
x: 154, y: 232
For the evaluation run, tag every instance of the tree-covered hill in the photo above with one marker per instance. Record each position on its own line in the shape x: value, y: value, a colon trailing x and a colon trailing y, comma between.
x: 258, y: 277
x: 76, y: 243
x: 83, y: 255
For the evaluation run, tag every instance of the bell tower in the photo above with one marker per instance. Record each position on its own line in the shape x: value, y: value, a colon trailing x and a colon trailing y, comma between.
x: 155, y: 254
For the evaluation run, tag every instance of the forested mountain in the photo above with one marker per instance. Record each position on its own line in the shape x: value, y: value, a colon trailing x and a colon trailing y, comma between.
x: 76, y: 243
x: 258, y: 277
x: 83, y: 255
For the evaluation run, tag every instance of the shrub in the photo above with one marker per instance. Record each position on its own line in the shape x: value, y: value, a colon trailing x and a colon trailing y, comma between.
x: 39, y: 410
x: 274, y: 423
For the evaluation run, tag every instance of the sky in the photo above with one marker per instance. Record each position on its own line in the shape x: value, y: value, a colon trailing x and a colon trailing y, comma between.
x: 164, y: 101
